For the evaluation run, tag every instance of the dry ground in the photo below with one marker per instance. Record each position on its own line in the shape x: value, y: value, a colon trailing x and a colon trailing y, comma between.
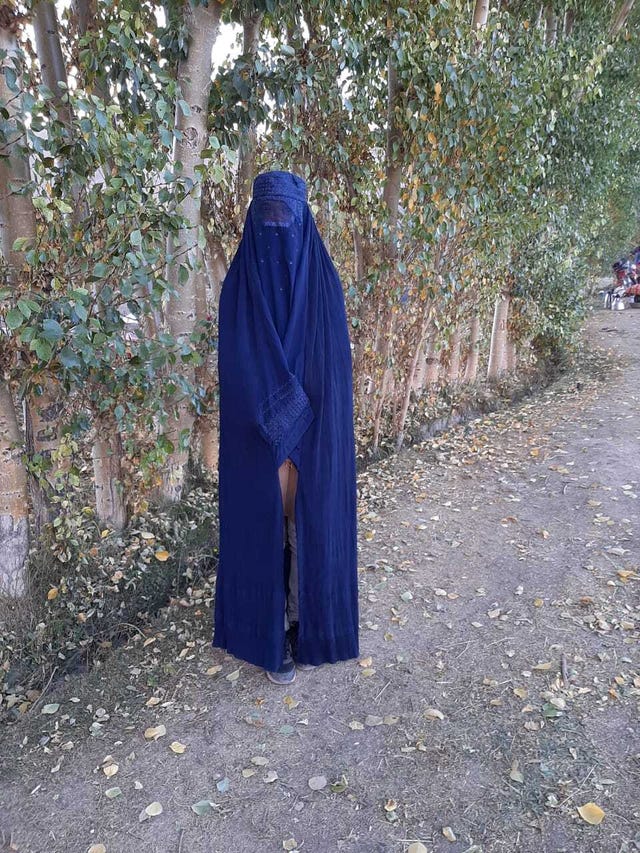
x: 498, y: 689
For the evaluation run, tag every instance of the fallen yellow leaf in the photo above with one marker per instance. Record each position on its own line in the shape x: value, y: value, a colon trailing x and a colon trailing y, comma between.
x: 626, y: 574
x: 591, y: 813
x: 177, y: 747
x: 162, y: 556
x: 154, y: 732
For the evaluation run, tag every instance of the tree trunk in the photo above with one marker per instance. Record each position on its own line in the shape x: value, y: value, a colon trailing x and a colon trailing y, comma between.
x: 569, y: 20
x: 393, y: 179
x: 17, y: 214
x: 409, y: 385
x: 419, y: 377
x: 497, y: 360
x: 620, y: 19
x: 107, y: 472
x: 85, y: 13
x: 480, y: 14
x: 386, y: 375
x: 49, y: 52
x: 471, y: 367
x: 42, y: 413
x: 18, y: 220
x: 323, y: 217
x: 551, y: 25
x: 453, y: 370
x: 194, y: 77
x: 249, y: 138
x: 216, y: 266
x: 14, y: 504
x: 391, y: 199
x: 511, y: 356
x: 432, y: 360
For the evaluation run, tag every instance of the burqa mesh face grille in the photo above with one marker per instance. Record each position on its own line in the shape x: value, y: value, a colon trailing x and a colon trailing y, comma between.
x: 276, y: 212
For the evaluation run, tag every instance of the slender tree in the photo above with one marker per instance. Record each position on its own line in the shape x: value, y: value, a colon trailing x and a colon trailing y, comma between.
x: 194, y: 77
x: 16, y: 220
x: 497, y: 353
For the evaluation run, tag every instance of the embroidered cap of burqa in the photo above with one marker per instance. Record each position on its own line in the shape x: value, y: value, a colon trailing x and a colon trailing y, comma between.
x: 284, y: 364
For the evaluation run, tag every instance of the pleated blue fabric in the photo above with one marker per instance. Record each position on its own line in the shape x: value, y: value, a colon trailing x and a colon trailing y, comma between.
x: 284, y: 364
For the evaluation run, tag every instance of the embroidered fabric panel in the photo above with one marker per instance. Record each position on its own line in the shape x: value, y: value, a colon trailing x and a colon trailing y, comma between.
x: 280, y: 412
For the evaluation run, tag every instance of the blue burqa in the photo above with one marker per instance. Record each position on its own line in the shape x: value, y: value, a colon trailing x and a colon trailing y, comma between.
x: 284, y: 364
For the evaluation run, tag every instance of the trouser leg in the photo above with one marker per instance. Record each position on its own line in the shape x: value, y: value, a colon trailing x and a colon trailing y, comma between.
x: 292, y: 600
x: 288, y: 475
x: 284, y: 545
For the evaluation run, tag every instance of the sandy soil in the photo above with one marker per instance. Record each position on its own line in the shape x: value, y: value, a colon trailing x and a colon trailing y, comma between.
x: 497, y: 692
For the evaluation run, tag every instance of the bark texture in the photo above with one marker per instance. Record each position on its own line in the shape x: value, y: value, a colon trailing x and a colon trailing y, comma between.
x: 106, y: 454
x: 249, y: 138
x: 497, y: 353
x: 16, y: 220
x: 473, y: 355
x: 194, y: 76
x: 550, y: 25
x: 50, y: 59
x: 453, y: 369
x: 14, y: 523
x: 621, y: 18
x: 480, y: 14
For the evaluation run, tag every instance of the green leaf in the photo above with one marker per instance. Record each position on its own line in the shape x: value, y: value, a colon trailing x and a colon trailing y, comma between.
x: 62, y: 206
x: 42, y: 348
x: 14, y: 319
x: 24, y: 308
x: 68, y: 358
x: 52, y: 330
x: 136, y: 238
x: 19, y: 244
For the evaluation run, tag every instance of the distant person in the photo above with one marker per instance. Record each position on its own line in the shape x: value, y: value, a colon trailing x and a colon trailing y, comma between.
x: 286, y: 590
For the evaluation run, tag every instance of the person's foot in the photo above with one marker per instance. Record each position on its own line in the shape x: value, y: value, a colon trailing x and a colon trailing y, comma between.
x: 282, y: 676
x: 287, y: 672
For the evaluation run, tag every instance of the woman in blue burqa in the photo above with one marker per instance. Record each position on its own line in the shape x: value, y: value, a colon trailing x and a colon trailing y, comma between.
x: 286, y: 591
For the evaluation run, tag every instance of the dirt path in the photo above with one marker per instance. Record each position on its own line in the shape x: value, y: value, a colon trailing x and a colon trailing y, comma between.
x: 498, y: 689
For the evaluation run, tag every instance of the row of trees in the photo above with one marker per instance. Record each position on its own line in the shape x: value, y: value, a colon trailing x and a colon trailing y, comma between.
x: 466, y: 163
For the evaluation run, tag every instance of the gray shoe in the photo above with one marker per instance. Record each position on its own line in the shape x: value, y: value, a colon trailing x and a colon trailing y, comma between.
x: 282, y: 677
